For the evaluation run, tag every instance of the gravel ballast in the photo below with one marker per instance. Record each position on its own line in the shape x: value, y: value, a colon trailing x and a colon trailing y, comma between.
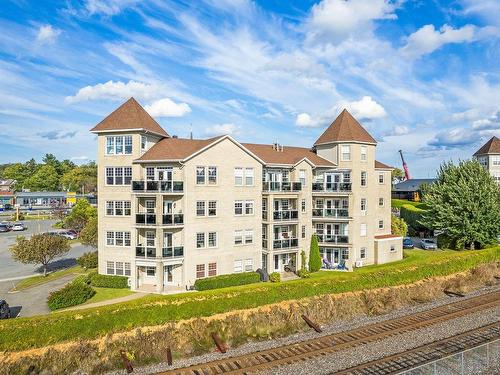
x: 350, y: 357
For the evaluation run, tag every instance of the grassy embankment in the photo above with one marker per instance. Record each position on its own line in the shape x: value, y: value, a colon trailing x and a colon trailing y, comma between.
x: 24, y: 333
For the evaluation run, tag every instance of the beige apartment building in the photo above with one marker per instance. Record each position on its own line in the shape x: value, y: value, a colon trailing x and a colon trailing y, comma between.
x: 489, y: 157
x: 174, y: 210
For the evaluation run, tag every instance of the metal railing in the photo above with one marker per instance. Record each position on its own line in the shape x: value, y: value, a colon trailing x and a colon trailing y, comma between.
x: 157, y: 186
x: 331, y: 186
x: 336, y: 239
x: 145, y: 252
x: 330, y: 212
x: 146, y: 219
x: 282, y: 186
x: 173, y: 219
x: 286, y: 215
x: 285, y: 243
x: 173, y: 252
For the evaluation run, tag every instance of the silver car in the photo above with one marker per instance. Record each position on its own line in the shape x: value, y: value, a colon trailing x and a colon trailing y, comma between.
x: 18, y: 227
x: 428, y: 244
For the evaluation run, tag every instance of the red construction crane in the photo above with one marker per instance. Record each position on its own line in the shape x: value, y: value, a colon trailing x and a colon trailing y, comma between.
x: 405, y: 167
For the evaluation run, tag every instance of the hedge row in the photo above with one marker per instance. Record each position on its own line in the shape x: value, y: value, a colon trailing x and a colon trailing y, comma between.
x: 75, y: 293
x: 224, y: 281
x: 108, y: 281
x: 412, y: 215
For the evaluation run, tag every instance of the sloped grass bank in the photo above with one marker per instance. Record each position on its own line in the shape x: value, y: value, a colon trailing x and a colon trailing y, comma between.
x: 41, y: 331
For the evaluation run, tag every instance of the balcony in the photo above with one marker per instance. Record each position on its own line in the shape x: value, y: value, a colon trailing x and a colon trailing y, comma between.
x: 173, y: 219
x: 173, y: 252
x: 330, y: 213
x: 174, y: 187
x: 282, y: 187
x: 145, y: 219
x: 286, y: 215
x: 145, y: 252
x: 333, y: 239
x: 286, y: 243
x: 328, y: 187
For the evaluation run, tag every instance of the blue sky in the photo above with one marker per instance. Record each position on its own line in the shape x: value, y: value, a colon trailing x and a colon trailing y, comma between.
x: 422, y: 76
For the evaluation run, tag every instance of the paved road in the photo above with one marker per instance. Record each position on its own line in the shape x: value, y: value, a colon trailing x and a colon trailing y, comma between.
x: 9, y: 269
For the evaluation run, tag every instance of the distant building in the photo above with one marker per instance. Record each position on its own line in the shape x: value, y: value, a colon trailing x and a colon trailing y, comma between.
x: 6, y: 200
x: 40, y: 199
x: 7, y: 185
x: 410, y: 189
x: 489, y: 157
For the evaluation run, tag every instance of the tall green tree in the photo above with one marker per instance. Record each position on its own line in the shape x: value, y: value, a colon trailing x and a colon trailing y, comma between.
x: 16, y: 172
x: 314, y: 255
x: 464, y: 204
x: 80, y: 214
x: 44, y: 179
x: 398, y: 226
x: 88, y: 235
x: 82, y: 178
x: 39, y: 249
x: 397, y: 174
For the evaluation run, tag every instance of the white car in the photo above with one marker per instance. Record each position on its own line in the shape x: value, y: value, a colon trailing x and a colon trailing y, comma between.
x: 67, y: 235
x: 17, y: 227
x: 428, y: 244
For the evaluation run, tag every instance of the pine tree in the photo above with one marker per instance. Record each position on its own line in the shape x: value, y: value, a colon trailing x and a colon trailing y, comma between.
x: 464, y: 204
x: 314, y: 255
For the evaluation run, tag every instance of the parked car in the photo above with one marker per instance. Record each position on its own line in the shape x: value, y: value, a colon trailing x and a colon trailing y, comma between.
x: 4, y: 310
x: 407, y: 243
x: 18, y: 227
x: 428, y: 244
x: 66, y: 234
x: 4, y: 228
x: 74, y: 232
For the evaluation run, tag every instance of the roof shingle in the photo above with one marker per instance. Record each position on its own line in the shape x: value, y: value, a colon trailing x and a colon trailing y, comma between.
x: 289, y: 155
x: 175, y: 148
x: 490, y: 147
x: 345, y: 128
x: 381, y: 165
x: 130, y: 115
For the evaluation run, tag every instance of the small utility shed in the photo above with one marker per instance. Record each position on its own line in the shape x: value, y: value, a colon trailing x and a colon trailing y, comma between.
x: 410, y: 189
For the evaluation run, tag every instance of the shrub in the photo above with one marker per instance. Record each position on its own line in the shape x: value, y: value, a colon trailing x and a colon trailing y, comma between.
x: 274, y: 277
x: 108, y: 281
x: 398, y: 226
x: 412, y: 216
x: 315, y: 260
x: 304, y: 273
x: 88, y: 260
x: 75, y: 293
x: 224, y: 281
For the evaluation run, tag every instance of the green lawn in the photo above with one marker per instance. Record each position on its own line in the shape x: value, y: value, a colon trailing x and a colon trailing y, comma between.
x: 104, y: 294
x: 397, y: 203
x: 24, y: 333
x: 40, y: 279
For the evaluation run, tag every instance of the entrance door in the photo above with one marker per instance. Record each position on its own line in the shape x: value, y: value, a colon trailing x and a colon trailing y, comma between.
x: 168, y: 207
x: 167, y: 239
x: 168, y: 278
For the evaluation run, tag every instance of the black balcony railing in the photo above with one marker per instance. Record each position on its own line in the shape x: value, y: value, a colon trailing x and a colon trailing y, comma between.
x: 173, y: 219
x: 173, y: 252
x: 286, y: 215
x: 332, y: 186
x: 145, y: 219
x: 330, y: 212
x: 145, y: 252
x: 335, y: 239
x: 282, y: 186
x: 157, y: 186
x: 285, y: 243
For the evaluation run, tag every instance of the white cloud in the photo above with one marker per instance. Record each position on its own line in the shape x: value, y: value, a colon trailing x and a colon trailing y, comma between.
x: 427, y: 39
x: 334, y: 20
x: 486, y: 9
x: 167, y: 108
x: 305, y: 120
x: 107, y: 7
x: 116, y: 91
x: 219, y: 129
x: 397, y: 131
x: 491, y: 123
x: 47, y: 34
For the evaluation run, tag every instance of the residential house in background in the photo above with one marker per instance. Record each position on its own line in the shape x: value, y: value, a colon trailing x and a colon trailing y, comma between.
x: 411, y: 189
x: 174, y: 210
x: 489, y: 157
x: 7, y: 185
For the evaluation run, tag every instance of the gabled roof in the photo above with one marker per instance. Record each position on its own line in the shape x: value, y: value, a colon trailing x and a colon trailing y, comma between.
x: 490, y: 147
x: 345, y: 128
x: 176, y: 148
x: 289, y: 155
x: 413, y: 184
x: 380, y: 165
x: 129, y: 116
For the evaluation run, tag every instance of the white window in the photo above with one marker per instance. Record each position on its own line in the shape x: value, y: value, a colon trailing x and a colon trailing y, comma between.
x: 150, y: 173
x: 495, y: 160
x: 150, y: 206
x: 127, y: 269
x: 117, y: 238
x: 249, y: 208
x: 303, y: 205
x: 362, y: 230
x: 200, y: 175
x: 128, y: 144
x: 363, y: 204
x: 212, y: 269
x: 363, y: 178
x: 303, y: 231
x: 248, y: 236
x: 110, y: 208
x: 200, y: 208
x: 363, y: 153
x: 110, y: 145
x: 212, y: 175
x: 238, y: 266
x: 200, y: 240
x: 238, y: 176
x: 346, y: 152
x: 496, y: 176
x: 110, y: 268
x: 212, y: 208
x: 119, y: 145
x: 200, y: 271
x: 362, y: 253
x: 144, y: 142
x: 381, y: 224
x: 302, y: 177
x: 249, y: 176
x: 380, y: 178
x: 118, y: 175
x: 238, y: 237
x: 248, y: 265
x: 381, y: 202
x: 150, y: 238
x: 238, y: 207
x: 212, y: 239
x: 119, y: 208
x: 151, y: 271
x: 119, y: 268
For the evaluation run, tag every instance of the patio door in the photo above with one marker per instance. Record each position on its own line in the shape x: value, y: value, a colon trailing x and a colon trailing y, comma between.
x: 168, y: 277
x: 164, y: 173
x: 168, y: 207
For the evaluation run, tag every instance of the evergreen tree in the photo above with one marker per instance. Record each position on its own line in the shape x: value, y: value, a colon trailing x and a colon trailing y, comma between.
x: 315, y: 261
x: 464, y: 204
x: 44, y: 179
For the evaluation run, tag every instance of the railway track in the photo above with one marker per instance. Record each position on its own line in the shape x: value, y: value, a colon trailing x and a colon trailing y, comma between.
x: 428, y: 353
x: 302, y: 351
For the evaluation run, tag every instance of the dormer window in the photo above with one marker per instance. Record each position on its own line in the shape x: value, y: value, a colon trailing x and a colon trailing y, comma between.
x: 119, y: 145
